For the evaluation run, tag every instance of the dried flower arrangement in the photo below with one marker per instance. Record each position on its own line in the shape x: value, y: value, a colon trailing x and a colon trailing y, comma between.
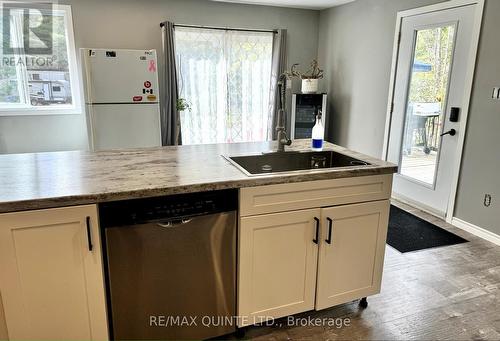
x: 314, y: 72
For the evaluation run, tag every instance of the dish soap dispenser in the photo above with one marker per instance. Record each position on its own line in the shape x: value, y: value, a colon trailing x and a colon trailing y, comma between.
x: 318, y: 133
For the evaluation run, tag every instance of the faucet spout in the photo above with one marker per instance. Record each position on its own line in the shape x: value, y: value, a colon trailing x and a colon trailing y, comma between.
x: 281, y: 135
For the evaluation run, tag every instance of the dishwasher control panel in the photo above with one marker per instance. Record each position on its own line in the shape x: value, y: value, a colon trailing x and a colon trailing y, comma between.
x: 136, y: 211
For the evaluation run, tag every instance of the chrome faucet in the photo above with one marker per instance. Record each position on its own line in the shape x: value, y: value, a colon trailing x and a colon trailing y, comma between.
x: 283, y: 139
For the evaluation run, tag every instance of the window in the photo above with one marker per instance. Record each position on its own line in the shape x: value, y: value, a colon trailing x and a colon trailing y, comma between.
x: 38, y: 62
x: 225, y: 76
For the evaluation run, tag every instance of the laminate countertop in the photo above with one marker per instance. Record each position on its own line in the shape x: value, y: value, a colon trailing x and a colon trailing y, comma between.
x: 56, y: 179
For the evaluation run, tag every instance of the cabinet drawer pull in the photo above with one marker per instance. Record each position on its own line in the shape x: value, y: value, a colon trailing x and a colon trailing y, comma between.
x: 330, y: 226
x: 316, y: 239
x: 89, y: 236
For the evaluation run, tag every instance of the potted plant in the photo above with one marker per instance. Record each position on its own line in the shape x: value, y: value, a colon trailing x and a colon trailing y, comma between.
x: 310, y: 78
x: 182, y: 105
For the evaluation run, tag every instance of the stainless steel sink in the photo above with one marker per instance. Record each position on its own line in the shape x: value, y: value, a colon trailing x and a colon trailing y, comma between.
x: 284, y: 162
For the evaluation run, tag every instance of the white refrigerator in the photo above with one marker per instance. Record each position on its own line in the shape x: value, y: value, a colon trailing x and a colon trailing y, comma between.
x: 121, y: 98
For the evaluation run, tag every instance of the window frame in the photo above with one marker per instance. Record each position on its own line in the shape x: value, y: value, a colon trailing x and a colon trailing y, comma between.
x: 76, y: 108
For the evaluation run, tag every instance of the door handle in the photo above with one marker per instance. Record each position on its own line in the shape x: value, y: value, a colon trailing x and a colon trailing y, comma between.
x: 316, y: 239
x: 89, y: 235
x: 175, y: 222
x: 451, y: 132
x: 330, y: 226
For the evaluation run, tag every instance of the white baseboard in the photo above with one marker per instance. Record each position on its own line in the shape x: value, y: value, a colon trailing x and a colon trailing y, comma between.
x: 418, y: 205
x: 476, y: 230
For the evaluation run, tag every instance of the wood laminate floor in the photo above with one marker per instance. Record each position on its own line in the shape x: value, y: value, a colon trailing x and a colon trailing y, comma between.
x: 445, y: 293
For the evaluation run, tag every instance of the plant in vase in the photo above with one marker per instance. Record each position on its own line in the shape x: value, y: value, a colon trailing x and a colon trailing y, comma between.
x: 310, y: 78
x: 181, y: 105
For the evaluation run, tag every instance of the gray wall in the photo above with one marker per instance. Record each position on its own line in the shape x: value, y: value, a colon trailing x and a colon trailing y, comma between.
x: 481, y: 160
x: 355, y: 48
x: 135, y: 24
x: 356, y: 42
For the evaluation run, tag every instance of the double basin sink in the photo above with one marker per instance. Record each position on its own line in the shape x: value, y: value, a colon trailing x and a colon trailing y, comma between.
x: 284, y: 162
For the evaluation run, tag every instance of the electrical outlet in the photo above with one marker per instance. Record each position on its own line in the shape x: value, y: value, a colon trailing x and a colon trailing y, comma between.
x: 496, y: 93
x: 487, y: 200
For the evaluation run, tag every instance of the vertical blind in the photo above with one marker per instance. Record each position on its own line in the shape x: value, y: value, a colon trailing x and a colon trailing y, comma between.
x: 225, y: 76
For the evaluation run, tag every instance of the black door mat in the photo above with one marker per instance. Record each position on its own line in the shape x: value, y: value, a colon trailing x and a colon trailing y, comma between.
x: 410, y: 233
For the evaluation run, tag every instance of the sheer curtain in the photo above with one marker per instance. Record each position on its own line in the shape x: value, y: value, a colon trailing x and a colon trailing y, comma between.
x: 225, y: 76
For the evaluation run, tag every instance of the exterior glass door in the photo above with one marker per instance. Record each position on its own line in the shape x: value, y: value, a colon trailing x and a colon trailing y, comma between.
x: 433, y: 59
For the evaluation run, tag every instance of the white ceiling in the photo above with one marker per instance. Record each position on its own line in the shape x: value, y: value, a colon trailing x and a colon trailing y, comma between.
x: 308, y: 4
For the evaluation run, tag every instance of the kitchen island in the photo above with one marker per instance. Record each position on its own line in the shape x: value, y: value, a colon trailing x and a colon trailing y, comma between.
x: 306, y: 240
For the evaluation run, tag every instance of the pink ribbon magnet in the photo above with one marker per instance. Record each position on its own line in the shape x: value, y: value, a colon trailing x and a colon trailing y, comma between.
x: 152, y: 66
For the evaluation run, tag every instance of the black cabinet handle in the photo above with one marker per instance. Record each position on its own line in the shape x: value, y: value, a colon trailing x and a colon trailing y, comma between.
x: 316, y: 240
x: 89, y: 236
x: 330, y: 226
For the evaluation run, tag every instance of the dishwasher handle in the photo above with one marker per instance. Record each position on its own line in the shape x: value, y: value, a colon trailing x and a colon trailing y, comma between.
x: 174, y: 222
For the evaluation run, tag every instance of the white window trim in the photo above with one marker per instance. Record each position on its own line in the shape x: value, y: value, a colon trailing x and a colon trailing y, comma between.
x: 77, y: 107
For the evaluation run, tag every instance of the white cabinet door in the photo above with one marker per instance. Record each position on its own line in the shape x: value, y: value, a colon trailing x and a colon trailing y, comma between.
x: 3, y: 327
x: 351, y: 256
x: 277, y: 265
x: 51, y: 282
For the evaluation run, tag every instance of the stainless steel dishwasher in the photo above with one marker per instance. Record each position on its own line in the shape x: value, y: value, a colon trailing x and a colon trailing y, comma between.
x: 170, y: 266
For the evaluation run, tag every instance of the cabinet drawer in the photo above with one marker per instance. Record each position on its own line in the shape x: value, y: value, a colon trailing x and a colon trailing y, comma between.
x: 311, y: 194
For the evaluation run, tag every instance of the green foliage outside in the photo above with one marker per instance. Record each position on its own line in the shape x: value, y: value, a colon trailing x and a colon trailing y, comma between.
x: 59, y: 59
x: 434, y: 47
x: 59, y: 47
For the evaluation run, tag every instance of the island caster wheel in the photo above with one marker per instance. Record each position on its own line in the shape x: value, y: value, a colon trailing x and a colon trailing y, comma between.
x: 363, y: 303
x: 240, y: 333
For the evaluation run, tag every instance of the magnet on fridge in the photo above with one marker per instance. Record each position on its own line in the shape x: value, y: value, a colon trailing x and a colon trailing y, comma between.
x: 152, y: 66
x: 147, y: 84
x: 137, y: 98
x: 151, y: 98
